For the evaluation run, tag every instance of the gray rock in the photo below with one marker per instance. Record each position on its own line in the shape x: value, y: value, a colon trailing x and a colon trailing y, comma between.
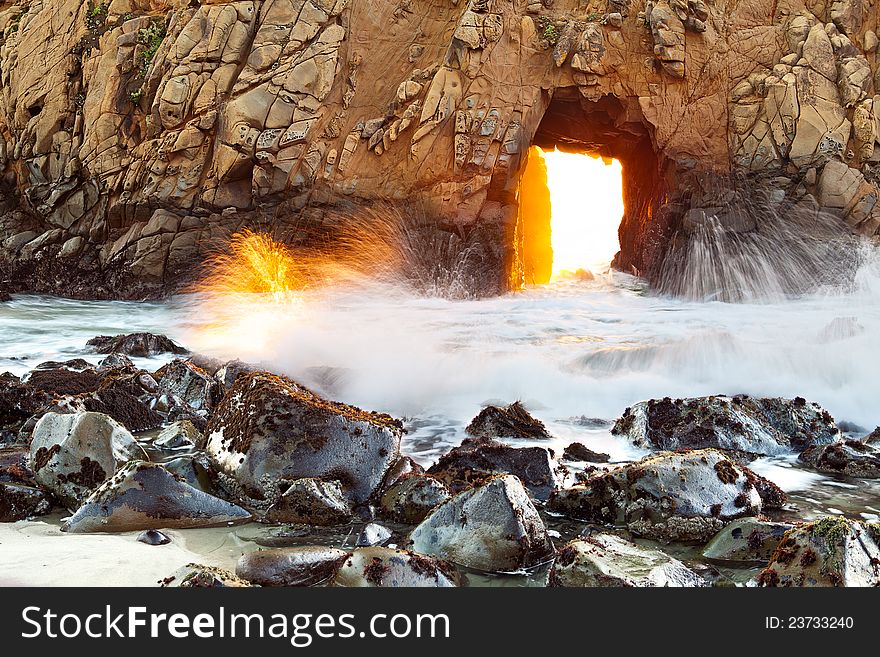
x: 229, y: 372
x: 71, y: 455
x: 494, y: 528
x: 199, y: 576
x: 512, y: 421
x: 135, y: 344
x: 153, y: 537
x: 146, y: 496
x: 269, y: 431
x: 116, y: 362
x: 607, y: 560
x: 410, y: 500
x: 852, y: 458
x: 19, y: 502
x: 300, y: 566
x: 373, y: 534
x: 384, y: 567
x: 747, y: 540
x: 192, y: 384
x: 312, y: 502
x: 669, y: 496
x: 180, y: 434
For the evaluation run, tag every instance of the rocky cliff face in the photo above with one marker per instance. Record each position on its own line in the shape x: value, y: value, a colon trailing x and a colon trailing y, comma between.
x: 135, y: 134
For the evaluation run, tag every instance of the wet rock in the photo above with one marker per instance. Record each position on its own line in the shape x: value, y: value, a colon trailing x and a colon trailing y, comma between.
x: 71, y: 455
x: 872, y: 438
x: 607, y: 560
x: 512, y: 421
x: 228, y: 373
x: 494, y: 527
x: 268, y: 431
x: 199, y: 576
x: 300, y: 566
x: 478, y: 459
x: 192, y: 384
x: 18, y: 402
x: 116, y: 362
x: 153, y: 537
x: 146, y: 496
x: 378, y: 566
x: 194, y: 469
x: 741, y: 423
x: 679, y: 496
x: 135, y: 344
x: 410, y: 500
x: 118, y: 397
x: 746, y: 541
x: 828, y: 552
x: 373, y: 534
x: 852, y: 458
x: 311, y: 502
x: 72, y: 377
x: 580, y: 452
x: 19, y: 502
x: 181, y: 434
x: 402, y: 467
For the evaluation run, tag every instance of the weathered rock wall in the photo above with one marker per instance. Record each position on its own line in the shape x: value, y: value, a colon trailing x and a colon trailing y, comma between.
x: 135, y: 135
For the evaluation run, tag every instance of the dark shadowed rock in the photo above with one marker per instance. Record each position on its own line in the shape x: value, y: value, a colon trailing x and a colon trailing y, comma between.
x: 18, y: 402
x: 478, y: 459
x: 373, y: 534
x: 669, y: 496
x: 747, y: 540
x: 607, y: 560
x: 384, y: 567
x: 19, y: 502
x: 199, y: 576
x: 135, y: 344
x: 511, y: 421
x: 153, y: 537
x: 71, y: 455
x: 192, y: 384
x: 852, y: 458
x: 494, y: 528
x: 312, y: 502
x: 580, y: 452
x: 828, y: 552
x: 300, y: 566
x: 145, y: 495
x: 740, y: 423
x: 72, y: 377
x: 269, y: 431
x: 121, y: 396
x: 411, y: 499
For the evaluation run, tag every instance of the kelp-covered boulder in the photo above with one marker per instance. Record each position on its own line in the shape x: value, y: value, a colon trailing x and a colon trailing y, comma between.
x: 580, y: 452
x: 18, y: 502
x: 411, y: 499
x: 200, y: 576
x: 145, y: 495
x: 269, y: 431
x: 833, y: 551
x: 740, y: 423
x: 189, y: 382
x: 71, y: 377
x: 494, y: 527
x: 512, y: 421
x: 852, y: 458
x: 299, y: 566
x: 684, y: 496
x: 123, y: 396
x: 312, y: 502
x: 746, y: 541
x: 72, y: 454
x: 135, y: 344
x: 608, y: 560
x: 385, y: 567
x: 479, y: 459
x: 18, y: 402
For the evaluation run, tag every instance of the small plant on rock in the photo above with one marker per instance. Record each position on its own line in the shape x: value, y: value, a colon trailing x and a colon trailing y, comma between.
x: 151, y: 39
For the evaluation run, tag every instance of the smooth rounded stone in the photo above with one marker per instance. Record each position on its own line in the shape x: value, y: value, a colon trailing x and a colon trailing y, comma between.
x: 833, y: 551
x: 19, y: 502
x: 512, y: 421
x: 580, y: 452
x: 747, y: 540
x: 312, y: 502
x: 373, y: 534
x: 607, y: 560
x: 478, y: 459
x: 72, y: 377
x: 194, y: 469
x: 180, y: 434
x: 852, y: 458
x: 494, y: 528
x: 269, y: 430
x: 384, y: 567
x: 299, y: 566
x: 116, y: 362
x: 153, y: 537
x: 410, y: 500
x: 192, y: 384
x: 135, y: 344
x: 670, y: 496
x: 71, y: 455
x: 146, y: 496
x: 745, y: 424
x: 199, y: 576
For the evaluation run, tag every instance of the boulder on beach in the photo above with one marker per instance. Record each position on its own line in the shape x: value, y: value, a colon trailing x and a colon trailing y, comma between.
x: 741, y: 423
x: 145, y: 495
x: 607, y: 560
x: 19, y: 502
x: 72, y: 454
x: 299, y: 566
x: 185, y: 380
x: 269, y: 431
x: 122, y: 397
x: 135, y: 344
x: 373, y: 534
x: 385, y: 567
x: 852, y: 458
x: 494, y: 527
x: 200, y: 576
x: 479, y: 459
x: 833, y: 551
x: 311, y: 501
x: 412, y: 498
x: 18, y: 402
x: 182, y: 434
x: 512, y: 421
x: 580, y: 452
x: 746, y: 541
x: 71, y: 377
x: 670, y: 496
